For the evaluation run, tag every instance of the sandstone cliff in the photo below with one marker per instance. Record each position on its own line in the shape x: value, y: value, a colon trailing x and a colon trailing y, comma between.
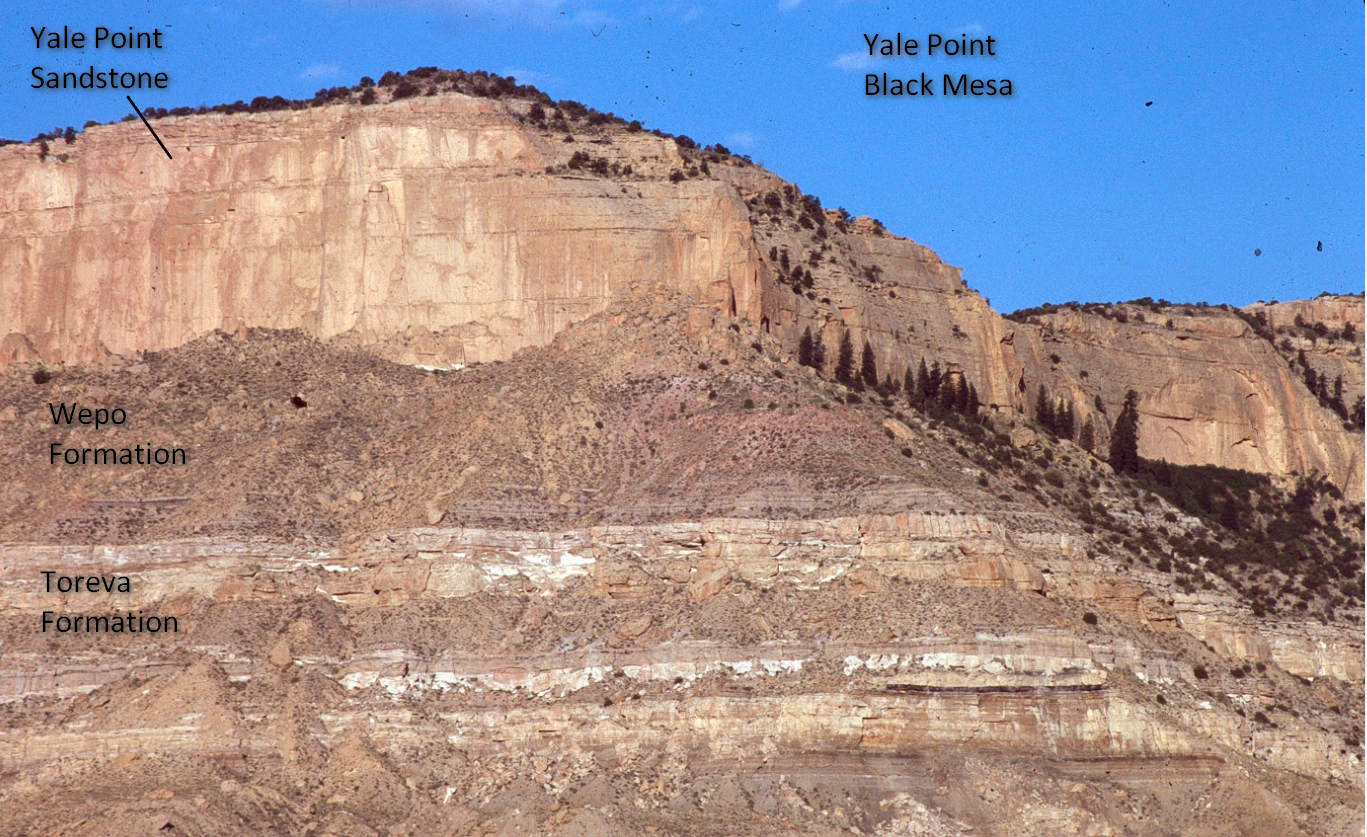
x: 379, y: 222
x: 1211, y: 390
x: 450, y: 229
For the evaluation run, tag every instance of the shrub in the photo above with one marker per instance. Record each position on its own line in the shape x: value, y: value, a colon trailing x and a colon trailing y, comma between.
x: 1200, y: 672
x: 1089, y: 618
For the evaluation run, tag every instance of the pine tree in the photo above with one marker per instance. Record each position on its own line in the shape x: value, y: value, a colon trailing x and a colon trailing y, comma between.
x: 909, y: 386
x: 844, y: 365
x: 948, y: 393
x: 1125, y: 437
x: 933, y: 389
x: 890, y: 385
x: 1044, y: 410
x: 1203, y: 496
x: 1349, y: 333
x: 1322, y: 389
x: 818, y: 354
x: 804, y: 347
x: 1305, y: 495
x: 973, y: 403
x: 1087, y: 438
x: 961, y: 398
x: 1063, y: 417
x: 868, y: 368
x: 922, y: 385
x: 1336, y: 401
x: 1229, y: 514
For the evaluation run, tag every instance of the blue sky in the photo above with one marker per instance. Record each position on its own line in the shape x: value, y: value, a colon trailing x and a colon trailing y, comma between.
x: 1070, y: 189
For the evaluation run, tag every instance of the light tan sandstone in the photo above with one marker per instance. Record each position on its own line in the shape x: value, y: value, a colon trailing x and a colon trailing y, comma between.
x: 429, y: 228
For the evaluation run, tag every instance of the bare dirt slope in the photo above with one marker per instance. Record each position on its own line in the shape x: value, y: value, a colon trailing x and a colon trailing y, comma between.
x: 651, y: 576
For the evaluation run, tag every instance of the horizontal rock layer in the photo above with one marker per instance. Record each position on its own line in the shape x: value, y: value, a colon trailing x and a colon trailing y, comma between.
x: 431, y: 230
x: 863, y: 553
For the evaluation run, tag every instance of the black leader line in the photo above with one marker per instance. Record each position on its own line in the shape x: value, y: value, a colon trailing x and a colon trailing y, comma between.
x: 149, y: 126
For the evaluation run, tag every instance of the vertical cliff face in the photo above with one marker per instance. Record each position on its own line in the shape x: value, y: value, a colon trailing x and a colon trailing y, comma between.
x: 1212, y: 391
x: 449, y: 229
x: 383, y: 223
x: 1327, y: 329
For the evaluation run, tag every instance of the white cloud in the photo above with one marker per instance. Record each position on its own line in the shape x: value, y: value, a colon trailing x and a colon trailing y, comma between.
x: 854, y: 61
x: 744, y: 140
x: 321, y: 70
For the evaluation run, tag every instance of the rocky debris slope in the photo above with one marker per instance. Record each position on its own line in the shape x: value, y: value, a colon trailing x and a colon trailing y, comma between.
x: 661, y: 409
x: 747, y: 602
x: 452, y: 228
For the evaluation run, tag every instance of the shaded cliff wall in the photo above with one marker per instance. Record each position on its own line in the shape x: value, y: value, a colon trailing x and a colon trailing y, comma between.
x: 1211, y: 391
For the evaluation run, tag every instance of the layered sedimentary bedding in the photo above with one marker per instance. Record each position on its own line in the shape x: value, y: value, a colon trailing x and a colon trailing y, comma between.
x: 450, y: 229
x: 611, y: 560
x: 737, y: 641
